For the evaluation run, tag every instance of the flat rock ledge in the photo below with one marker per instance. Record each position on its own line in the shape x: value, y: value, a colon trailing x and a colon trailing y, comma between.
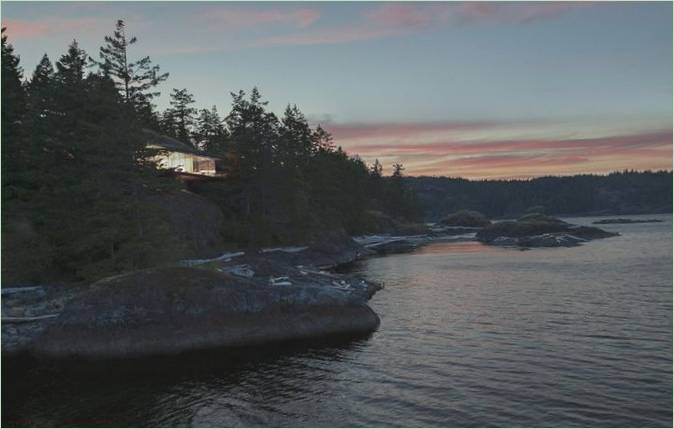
x: 176, y: 309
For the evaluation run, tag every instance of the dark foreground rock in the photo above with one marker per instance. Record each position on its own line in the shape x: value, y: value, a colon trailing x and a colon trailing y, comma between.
x: 171, y: 310
x: 539, y: 231
x: 623, y: 220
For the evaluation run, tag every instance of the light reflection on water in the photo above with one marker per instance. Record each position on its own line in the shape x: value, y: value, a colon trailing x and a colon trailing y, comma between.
x: 470, y: 336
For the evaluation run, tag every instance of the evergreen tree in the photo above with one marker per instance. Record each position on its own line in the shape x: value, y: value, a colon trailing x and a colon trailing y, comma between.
x: 13, y: 97
x: 376, y: 171
x: 183, y: 113
x: 71, y: 67
x: 400, y: 200
x: 43, y: 74
x: 296, y: 140
x: 253, y: 134
x: 210, y: 134
x: 322, y: 140
x: 167, y: 124
x: 135, y: 80
x: 40, y: 93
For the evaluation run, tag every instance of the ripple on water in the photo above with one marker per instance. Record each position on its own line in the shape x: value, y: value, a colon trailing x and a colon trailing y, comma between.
x: 471, y: 335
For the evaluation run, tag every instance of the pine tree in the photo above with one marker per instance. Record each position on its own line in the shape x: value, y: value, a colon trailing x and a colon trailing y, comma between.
x: 40, y: 91
x: 253, y: 133
x: 135, y: 80
x: 71, y: 66
x: 296, y: 141
x: 13, y: 97
x: 401, y: 201
x: 13, y: 114
x: 322, y: 140
x: 377, y: 170
x: 167, y: 124
x: 43, y: 74
x: 183, y: 114
x: 210, y: 134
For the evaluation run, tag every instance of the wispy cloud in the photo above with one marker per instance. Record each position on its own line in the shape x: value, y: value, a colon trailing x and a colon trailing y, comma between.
x: 290, y: 25
x: 456, y: 149
x: 232, y: 18
x: 393, y: 19
x: 512, y: 13
x: 49, y: 26
x: 368, y: 131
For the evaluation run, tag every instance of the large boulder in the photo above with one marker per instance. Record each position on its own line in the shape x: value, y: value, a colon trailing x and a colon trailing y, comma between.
x: 175, y: 309
x: 466, y: 218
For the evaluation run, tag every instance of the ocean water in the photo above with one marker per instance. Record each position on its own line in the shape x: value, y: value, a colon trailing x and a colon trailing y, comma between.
x: 470, y: 336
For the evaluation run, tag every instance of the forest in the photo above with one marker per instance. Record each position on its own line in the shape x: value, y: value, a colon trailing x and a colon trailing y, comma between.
x: 625, y: 192
x: 77, y: 181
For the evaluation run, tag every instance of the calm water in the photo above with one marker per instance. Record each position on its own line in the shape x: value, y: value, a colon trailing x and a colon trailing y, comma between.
x: 470, y: 336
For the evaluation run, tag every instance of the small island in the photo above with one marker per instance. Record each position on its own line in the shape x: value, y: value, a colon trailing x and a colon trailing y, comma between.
x: 538, y: 230
x: 621, y: 220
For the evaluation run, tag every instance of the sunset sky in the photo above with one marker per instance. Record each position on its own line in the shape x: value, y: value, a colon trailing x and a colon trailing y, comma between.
x: 478, y: 90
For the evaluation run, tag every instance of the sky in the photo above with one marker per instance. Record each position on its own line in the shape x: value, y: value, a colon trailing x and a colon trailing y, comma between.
x: 476, y: 89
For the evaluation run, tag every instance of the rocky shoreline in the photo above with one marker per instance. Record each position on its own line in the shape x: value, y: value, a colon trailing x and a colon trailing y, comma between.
x: 236, y: 299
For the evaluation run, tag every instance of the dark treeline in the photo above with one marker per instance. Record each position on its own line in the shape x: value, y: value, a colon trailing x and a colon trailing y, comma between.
x: 626, y: 192
x: 76, y: 175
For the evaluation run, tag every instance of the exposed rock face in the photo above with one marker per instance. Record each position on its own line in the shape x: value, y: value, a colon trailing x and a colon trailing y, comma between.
x: 466, y: 218
x: 539, y: 231
x: 169, y: 310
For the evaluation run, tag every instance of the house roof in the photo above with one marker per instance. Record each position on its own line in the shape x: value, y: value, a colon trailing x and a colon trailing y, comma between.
x: 169, y: 143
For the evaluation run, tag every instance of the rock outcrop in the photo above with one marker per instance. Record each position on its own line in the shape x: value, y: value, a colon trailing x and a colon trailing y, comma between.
x: 171, y: 310
x: 539, y: 231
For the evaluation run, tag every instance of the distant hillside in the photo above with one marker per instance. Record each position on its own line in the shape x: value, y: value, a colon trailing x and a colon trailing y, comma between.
x: 617, y: 193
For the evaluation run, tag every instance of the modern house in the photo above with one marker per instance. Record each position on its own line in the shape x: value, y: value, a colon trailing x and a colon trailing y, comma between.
x: 180, y: 157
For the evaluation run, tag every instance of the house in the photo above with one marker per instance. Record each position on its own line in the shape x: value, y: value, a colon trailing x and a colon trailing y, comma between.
x: 180, y: 157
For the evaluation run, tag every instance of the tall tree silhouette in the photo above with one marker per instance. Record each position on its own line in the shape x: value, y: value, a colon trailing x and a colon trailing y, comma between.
x: 13, y: 102
x: 183, y: 113
x: 210, y: 133
x: 135, y: 80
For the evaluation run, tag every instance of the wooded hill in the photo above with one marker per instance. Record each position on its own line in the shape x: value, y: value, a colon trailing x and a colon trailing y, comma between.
x: 626, y: 192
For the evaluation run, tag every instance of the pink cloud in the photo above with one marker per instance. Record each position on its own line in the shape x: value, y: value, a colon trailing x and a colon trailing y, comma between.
x: 393, y: 19
x: 622, y: 143
x: 405, y: 15
x: 328, y: 36
x: 227, y: 17
x: 355, y: 131
x: 512, y: 12
x: 45, y: 27
x: 504, y: 157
